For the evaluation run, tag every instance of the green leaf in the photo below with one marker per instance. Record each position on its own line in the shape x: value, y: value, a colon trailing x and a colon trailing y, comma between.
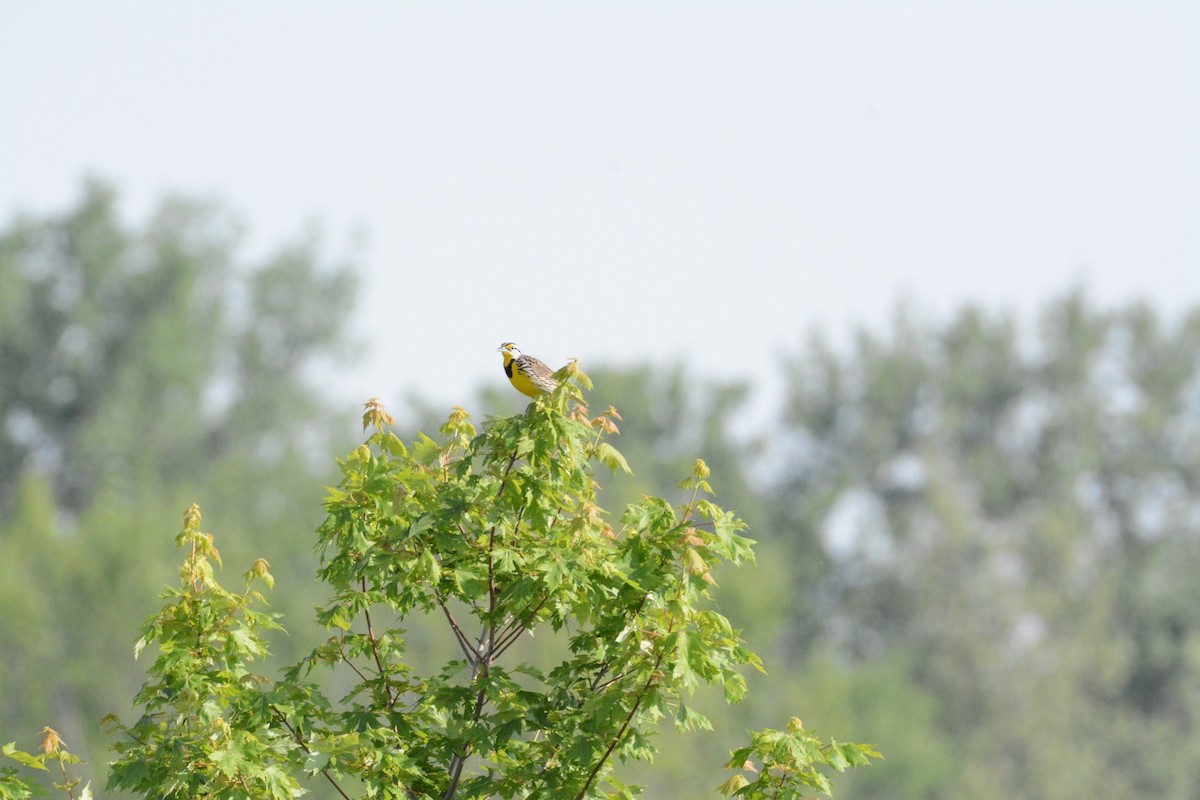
x: 392, y: 445
x: 428, y: 569
x: 686, y: 719
x: 734, y: 783
x: 22, y: 757
x: 227, y: 760
x: 426, y: 450
x: 612, y: 458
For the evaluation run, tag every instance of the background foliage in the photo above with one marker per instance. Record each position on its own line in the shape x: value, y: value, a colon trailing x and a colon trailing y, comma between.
x: 143, y: 369
x: 978, y: 535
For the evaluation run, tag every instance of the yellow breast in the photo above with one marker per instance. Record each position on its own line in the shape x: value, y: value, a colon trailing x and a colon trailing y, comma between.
x: 519, y: 379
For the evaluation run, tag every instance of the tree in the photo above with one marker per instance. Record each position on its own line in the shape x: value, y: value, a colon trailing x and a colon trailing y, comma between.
x: 499, y: 535
x: 671, y: 416
x: 110, y: 339
x: 1009, y: 515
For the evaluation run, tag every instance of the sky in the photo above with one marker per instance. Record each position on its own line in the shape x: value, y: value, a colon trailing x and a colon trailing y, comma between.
x: 628, y: 182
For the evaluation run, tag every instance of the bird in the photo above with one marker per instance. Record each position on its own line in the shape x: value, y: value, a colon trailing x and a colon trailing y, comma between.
x: 528, y: 376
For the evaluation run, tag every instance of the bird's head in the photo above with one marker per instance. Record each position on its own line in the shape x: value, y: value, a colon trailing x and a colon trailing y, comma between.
x: 509, y: 349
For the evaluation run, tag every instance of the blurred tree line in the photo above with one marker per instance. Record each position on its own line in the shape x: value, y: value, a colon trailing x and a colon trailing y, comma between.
x: 978, y: 536
x: 143, y: 369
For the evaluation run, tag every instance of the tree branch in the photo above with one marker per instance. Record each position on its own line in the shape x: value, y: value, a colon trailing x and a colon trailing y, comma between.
x: 515, y: 627
x: 621, y: 733
x: 348, y: 662
x: 387, y: 689
x: 481, y: 666
x: 300, y: 741
x: 458, y: 634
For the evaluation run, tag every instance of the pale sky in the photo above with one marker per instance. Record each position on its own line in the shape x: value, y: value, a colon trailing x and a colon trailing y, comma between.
x: 631, y: 181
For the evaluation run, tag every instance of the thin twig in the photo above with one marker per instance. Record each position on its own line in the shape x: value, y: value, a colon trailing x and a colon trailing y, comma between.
x: 387, y: 688
x: 641, y: 694
x: 66, y: 784
x: 621, y: 733
x: 300, y: 741
x: 515, y: 627
x: 460, y: 759
x: 458, y: 634
x: 348, y: 662
x: 602, y: 686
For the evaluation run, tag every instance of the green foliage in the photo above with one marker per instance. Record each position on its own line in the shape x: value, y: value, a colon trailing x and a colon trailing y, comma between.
x: 1010, y: 513
x: 788, y: 763
x: 144, y: 366
x: 496, y: 533
x: 53, y: 750
x: 111, y: 338
x: 207, y: 729
x: 978, y: 541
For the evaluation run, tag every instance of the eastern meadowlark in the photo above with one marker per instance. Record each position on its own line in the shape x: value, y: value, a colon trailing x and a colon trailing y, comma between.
x: 528, y: 376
